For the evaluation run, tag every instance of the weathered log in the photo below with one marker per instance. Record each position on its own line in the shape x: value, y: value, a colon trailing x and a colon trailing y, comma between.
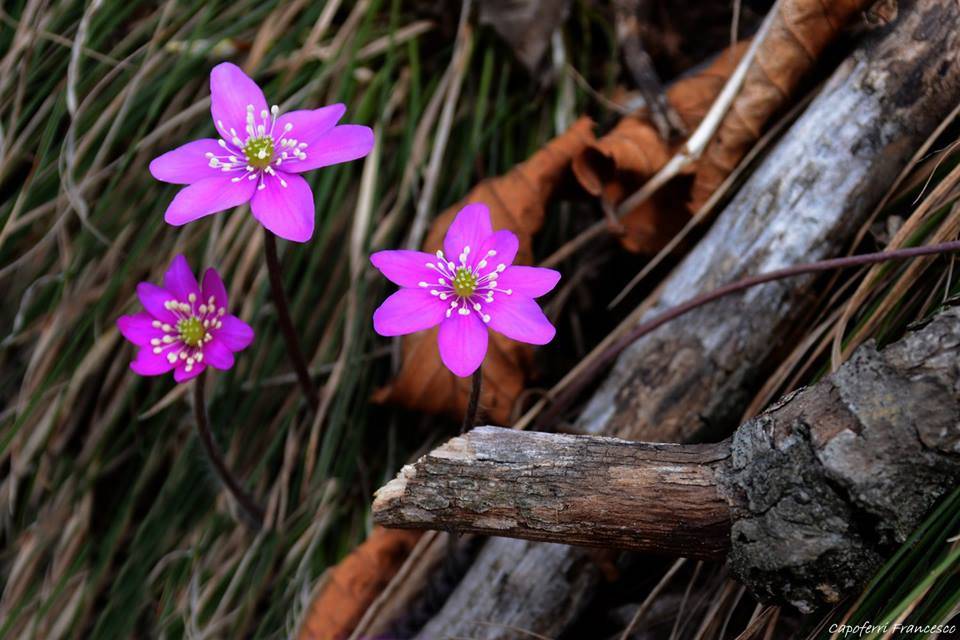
x: 590, y: 491
x: 808, y: 497
x: 693, y: 378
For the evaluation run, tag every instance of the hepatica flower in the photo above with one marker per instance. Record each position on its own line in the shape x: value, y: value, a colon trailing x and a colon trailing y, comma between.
x: 469, y: 286
x: 185, y: 326
x: 257, y: 158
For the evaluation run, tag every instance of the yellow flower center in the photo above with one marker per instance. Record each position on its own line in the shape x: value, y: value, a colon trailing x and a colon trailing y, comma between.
x: 259, y: 152
x: 464, y: 282
x: 192, y: 331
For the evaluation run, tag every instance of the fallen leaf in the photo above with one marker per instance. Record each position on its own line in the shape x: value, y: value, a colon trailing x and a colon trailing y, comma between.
x: 620, y: 162
x: 355, y: 582
x: 801, y: 30
x: 517, y: 202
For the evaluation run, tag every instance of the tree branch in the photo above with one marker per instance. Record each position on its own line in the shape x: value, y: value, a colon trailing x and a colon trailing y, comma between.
x: 600, y: 492
x: 804, y: 501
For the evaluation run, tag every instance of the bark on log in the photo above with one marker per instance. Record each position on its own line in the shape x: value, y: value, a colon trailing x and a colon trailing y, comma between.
x: 813, y: 493
x: 589, y: 491
x: 693, y: 377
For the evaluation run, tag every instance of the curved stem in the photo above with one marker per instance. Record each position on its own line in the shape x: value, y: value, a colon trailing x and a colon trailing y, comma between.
x: 566, y: 395
x: 294, y: 351
x: 470, y: 417
x: 248, y: 505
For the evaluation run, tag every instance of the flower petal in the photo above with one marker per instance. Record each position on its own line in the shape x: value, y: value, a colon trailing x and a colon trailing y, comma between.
x: 285, y: 206
x: 463, y: 343
x: 188, y: 163
x: 138, y: 328
x: 309, y: 125
x: 532, y: 282
x: 407, y: 311
x: 469, y: 228
x: 182, y: 375
x: 180, y: 281
x: 504, y: 242
x: 218, y: 355
x: 148, y: 363
x: 405, y: 268
x: 231, y: 90
x: 153, y: 298
x: 519, y: 318
x: 208, y: 196
x: 235, y: 333
x: 213, y: 288
x: 341, y: 144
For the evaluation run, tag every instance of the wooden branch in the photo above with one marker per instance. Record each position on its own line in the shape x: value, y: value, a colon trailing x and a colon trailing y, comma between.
x: 813, y: 493
x: 600, y: 492
x: 693, y: 378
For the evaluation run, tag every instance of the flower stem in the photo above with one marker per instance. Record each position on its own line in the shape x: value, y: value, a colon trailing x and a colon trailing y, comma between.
x: 563, y: 399
x: 470, y: 418
x: 294, y: 351
x: 249, y: 507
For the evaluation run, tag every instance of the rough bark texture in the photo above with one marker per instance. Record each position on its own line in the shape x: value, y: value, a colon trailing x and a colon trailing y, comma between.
x: 599, y: 492
x: 692, y: 378
x: 819, y: 488
x: 827, y: 482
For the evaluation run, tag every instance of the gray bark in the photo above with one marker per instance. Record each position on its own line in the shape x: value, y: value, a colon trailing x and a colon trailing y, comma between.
x: 808, y: 497
x: 826, y: 483
x: 691, y: 379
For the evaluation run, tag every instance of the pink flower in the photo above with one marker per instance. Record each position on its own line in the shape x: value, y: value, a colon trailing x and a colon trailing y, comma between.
x: 257, y: 157
x: 468, y: 286
x: 185, y: 327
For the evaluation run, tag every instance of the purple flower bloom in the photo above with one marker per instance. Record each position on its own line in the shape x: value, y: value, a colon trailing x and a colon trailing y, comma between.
x: 468, y: 286
x: 185, y: 327
x: 257, y: 157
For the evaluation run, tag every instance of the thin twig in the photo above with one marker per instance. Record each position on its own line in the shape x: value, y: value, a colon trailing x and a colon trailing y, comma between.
x: 247, y: 504
x: 589, y: 373
x: 710, y: 205
x: 290, y: 338
x: 690, y: 151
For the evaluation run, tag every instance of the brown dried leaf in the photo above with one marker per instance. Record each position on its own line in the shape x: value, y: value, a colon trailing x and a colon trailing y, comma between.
x: 800, y: 32
x: 355, y: 582
x: 517, y: 202
x: 617, y: 164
